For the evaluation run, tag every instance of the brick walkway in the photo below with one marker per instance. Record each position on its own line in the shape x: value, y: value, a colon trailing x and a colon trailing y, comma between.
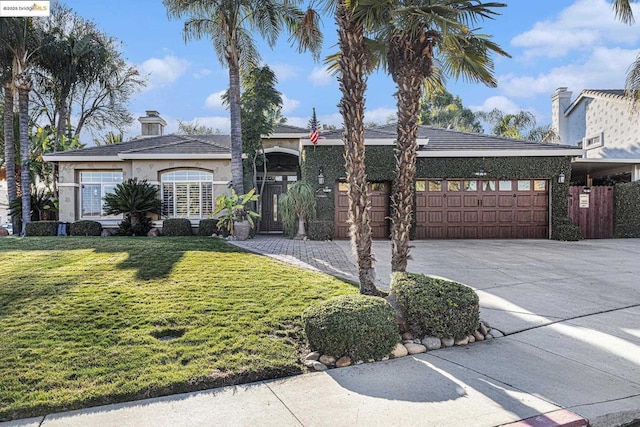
x: 326, y: 257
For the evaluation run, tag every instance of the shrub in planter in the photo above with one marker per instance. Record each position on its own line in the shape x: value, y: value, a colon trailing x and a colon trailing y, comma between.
x: 320, y: 230
x: 42, y: 228
x: 360, y: 326
x: 174, y: 227
x: 141, y: 228
x: 85, y: 228
x: 436, y: 307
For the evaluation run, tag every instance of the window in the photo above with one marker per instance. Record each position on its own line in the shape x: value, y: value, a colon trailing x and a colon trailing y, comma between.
x: 454, y: 185
x: 539, y: 185
x: 421, y: 185
x: 187, y: 194
x: 524, y: 185
x: 504, y: 185
x: 488, y: 186
x: 593, y: 142
x: 435, y: 185
x: 471, y: 186
x: 94, y: 186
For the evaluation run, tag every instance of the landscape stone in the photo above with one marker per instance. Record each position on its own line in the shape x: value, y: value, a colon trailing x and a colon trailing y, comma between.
x: 462, y: 341
x: 4, y: 232
x: 327, y: 360
x: 488, y: 337
x: 343, y: 361
x: 405, y: 342
x: 471, y: 338
x: 318, y: 366
x: 415, y: 348
x: 432, y: 343
x: 483, y: 329
x: 448, y: 342
x: 478, y: 336
x: 309, y: 363
x: 154, y: 232
x: 105, y: 233
x: 399, y: 351
x: 314, y: 355
x: 496, y: 333
x: 485, y: 323
x: 407, y: 336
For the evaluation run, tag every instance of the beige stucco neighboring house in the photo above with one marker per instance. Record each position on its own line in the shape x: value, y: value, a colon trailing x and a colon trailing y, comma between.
x: 606, y: 125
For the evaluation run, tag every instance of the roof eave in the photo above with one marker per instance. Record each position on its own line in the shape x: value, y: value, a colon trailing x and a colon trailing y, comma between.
x: 63, y: 158
x: 571, y: 152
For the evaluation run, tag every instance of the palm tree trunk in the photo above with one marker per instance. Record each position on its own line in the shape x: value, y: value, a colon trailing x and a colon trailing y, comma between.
x: 409, y: 93
x: 9, y: 147
x: 353, y: 84
x: 237, y: 176
x: 23, y: 108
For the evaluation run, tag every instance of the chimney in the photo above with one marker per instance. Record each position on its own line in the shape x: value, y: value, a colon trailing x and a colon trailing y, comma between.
x: 560, y: 101
x: 152, y: 124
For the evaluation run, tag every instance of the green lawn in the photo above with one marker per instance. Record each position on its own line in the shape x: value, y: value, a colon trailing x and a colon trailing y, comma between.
x: 85, y: 321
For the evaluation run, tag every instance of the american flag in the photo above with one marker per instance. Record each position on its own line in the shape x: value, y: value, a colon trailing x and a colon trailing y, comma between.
x: 313, y: 124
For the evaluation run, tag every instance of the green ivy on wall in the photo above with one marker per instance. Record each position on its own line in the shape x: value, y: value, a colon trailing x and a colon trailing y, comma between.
x: 380, y: 162
x: 626, y: 220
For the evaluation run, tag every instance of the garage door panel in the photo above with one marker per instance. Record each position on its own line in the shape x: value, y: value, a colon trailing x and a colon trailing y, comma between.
x: 490, y: 209
x: 379, y: 213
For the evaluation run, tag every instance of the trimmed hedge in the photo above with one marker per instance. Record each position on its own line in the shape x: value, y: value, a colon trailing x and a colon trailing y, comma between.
x: 42, y: 228
x: 320, y: 230
x: 85, y: 228
x: 626, y: 220
x: 174, y: 227
x: 566, y: 230
x: 360, y: 326
x: 208, y: 227
x: 437, y: 307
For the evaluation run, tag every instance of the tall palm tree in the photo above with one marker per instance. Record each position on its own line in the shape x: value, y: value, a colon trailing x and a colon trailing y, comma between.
x: 623, y: 10
x: 353, y: 64
x: 229, y: 24
x: 425, y: 38
x: 6, y: 59
x: 22, y: 38
x: 624, y: 13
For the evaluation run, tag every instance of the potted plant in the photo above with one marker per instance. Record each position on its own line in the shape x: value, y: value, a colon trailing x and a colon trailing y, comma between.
x: 298, y: 206
x: 236, y: 217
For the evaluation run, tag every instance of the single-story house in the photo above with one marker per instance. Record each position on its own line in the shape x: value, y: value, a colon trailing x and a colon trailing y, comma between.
x: 468, y: 185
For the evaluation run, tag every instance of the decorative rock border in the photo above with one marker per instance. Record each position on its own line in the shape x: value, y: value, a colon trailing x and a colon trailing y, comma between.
x: 409, y: 346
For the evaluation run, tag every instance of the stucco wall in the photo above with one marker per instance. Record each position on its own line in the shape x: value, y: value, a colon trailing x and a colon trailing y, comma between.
x: 69, y: 189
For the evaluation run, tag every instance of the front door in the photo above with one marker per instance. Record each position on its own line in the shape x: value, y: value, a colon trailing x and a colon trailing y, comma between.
x: 270, y: 220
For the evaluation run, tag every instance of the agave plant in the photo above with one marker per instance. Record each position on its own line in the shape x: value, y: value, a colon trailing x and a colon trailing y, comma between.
x: 135, y: 199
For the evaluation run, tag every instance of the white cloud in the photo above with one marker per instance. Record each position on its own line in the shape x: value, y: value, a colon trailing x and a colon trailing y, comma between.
x: 284, y: 71
x: 203, y: 72
x: 163, y: 71
x: 581, y: 26
x: 320, y: 76
x: 221, y: 123
x: 502, y: 103
x: 603, y: 69
x: 289, y: 105
x: 380, y: 116
x: 214, y: 101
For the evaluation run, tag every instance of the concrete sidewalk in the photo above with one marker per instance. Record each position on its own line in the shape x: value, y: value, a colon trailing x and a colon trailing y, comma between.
x: 571, y: 312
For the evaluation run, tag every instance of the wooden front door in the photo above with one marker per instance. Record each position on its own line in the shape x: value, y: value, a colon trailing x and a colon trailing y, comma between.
x: 380, y: 197
x: 591, y: 208
x: 270, y: 218
x: 482, y: 209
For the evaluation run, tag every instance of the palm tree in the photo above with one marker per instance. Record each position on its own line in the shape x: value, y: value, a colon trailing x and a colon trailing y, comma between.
x: 6, y: 59
x: 424, y: 39
x: 353, y: 64
x: 229, y: 24
x: 21, y: 37
x: 521, y: 125
x: 623, y: 10
x: 624, y: 13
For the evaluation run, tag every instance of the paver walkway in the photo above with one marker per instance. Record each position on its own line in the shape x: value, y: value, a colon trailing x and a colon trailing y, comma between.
x: 327, y: 257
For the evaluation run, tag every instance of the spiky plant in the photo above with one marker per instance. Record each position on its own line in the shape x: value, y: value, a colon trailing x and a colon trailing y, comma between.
x: 135, y: 199
x: 297, y: 206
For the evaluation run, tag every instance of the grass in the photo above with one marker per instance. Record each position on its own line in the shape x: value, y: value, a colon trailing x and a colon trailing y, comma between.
x: 90, y: 321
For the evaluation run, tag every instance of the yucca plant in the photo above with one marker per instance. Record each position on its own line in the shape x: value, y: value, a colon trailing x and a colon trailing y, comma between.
x: 298, y: 206
x: 135, y: 199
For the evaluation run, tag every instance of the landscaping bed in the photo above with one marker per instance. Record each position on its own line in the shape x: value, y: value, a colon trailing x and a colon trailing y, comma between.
x: 89, y: 321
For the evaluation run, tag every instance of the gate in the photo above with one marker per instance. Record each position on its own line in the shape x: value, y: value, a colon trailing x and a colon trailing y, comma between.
x: 592, y: 209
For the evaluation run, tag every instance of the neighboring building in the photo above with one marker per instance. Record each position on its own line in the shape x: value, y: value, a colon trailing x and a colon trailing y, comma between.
x: 468, y: 185
x: 606, y: 124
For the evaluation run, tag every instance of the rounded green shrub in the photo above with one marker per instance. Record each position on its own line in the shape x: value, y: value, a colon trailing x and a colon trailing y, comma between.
x: 360, y: 326
x: 85, y: 228
x: 437, y: 307
x: 209, y: 227
x: 174, y: 227
x: 42, y: 228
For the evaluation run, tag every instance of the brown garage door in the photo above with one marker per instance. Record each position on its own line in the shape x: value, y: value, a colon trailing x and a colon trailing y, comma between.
x: 380, y: 192
x: 482, y: 209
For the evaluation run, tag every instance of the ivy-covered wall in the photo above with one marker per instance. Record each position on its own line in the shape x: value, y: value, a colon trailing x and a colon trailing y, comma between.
x: 380, y: 163
x: 626, y: 216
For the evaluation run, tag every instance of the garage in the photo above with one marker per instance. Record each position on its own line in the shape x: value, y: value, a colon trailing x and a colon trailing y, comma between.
x: 379, y: 221
x: 482, y: 209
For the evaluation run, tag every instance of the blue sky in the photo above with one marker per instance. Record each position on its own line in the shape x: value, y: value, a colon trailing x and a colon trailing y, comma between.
x: 553, y: 43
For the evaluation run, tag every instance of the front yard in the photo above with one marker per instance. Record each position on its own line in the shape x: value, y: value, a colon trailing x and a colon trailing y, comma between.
x: 90, y: 321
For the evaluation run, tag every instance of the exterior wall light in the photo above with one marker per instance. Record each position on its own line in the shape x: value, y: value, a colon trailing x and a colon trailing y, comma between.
x: 481, y: 172
x: 320, y: 177
x: 561, y: 178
